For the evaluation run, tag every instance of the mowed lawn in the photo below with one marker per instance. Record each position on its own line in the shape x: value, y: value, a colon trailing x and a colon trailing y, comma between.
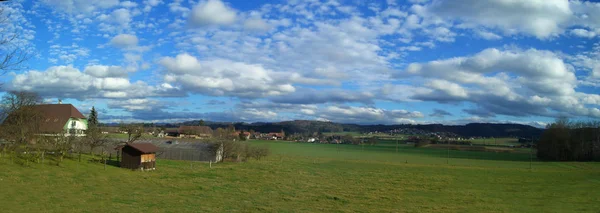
x: 300, y: 177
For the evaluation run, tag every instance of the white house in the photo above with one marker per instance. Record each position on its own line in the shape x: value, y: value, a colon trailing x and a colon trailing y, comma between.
x: 62, y: 119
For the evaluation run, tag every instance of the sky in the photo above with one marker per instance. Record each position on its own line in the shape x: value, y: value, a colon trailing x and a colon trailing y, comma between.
x: 349, y: 61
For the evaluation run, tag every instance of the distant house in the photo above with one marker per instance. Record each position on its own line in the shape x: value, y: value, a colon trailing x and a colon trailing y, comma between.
x: 59, y: 119
x: 195, y: 132
x: 161, y: 134
x: 276, y: 135
x: 139, y: 156
x: 245, y: 134
x: 109, y: 129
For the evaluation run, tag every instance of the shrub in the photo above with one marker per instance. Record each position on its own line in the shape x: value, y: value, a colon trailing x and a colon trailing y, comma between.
x: 422, y: 143
x: 257, y: 152
x: 241, y: 151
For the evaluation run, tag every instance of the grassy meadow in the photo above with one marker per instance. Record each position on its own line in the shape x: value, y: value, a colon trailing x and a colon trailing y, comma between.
x: 302, y: 177
x: 496, y: 141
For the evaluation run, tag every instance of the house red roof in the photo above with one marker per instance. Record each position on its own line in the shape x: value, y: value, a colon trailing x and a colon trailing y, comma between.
x: 144, y: 147
x: 56, y: 116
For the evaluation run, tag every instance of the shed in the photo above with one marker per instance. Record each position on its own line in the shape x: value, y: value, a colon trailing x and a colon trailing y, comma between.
x: 139, y: 156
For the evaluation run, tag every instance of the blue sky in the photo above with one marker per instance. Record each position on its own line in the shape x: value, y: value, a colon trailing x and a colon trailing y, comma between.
x: 368, y: 62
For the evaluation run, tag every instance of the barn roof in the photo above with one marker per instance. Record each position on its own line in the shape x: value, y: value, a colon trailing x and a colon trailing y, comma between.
x: 144, y: 147
x: 56, y: 116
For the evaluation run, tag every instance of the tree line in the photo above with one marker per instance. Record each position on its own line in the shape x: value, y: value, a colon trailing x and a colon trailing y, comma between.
x: 566, y: 140
x: 22, y: 138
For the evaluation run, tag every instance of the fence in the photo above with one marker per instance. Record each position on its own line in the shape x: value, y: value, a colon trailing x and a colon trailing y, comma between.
x: 186, y: 154
x: 175, y: 149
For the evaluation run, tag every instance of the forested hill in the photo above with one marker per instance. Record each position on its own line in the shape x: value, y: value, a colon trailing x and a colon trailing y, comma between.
x: 304, y: 126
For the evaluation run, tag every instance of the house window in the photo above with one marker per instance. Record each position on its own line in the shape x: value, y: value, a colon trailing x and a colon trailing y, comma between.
x: 73, y: 124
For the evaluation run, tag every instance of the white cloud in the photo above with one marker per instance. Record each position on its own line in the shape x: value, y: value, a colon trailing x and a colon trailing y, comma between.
x: 256, y: 24
x: 149, y: 4
x: 487, y: 35
x: 311, y: 96
x: 121, y: 16
x: 124, y: 41
x: 101, y: 71
x: 95, y: 82
x: 509, y: 82
x: 128, y: 4
x: 221, y: 77
x: 540, y: 18
x: 134, y: 104
x: 212, y: 12
x: 116, y: 21
x: 367, y: 115
x: 583, y: 33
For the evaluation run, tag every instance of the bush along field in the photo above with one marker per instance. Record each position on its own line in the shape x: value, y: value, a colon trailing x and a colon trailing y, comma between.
x: 302, y: 177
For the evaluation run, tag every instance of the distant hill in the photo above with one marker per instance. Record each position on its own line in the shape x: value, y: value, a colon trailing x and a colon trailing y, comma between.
x: 306, y: 126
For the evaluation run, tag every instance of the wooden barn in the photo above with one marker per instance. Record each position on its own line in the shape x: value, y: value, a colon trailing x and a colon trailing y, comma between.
x: 139, y: 156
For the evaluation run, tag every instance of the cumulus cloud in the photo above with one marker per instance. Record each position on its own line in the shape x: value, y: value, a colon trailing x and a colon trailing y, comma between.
x: 212, y: 12
x: 487, y: 35
x: 440, y: 113
x: 311, y: 96
x: 442, y: 91
x: 95, y: 82
x: 221, y: 77
x: 159, y: 111
x: 256, y: 24
x: 124, y: 41
x: 136, y: 104
x: 367, y: 115
x: 583, y: 33
x: 509, y: 82
x: 542, y: 19
x: 312, y: 51
x: 101, y: 71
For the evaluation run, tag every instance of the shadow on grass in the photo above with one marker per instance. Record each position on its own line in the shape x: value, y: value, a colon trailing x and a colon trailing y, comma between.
x: 109, y: 162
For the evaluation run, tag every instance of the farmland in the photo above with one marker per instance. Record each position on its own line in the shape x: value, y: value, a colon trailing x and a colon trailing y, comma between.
x: 302, y: 177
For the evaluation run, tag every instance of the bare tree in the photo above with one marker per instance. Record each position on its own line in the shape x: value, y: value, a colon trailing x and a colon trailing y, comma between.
x: 12, y: 53
x: 94, y: 138
x: 20, y: 121
x: 133, y: 131
x: 15, y: 100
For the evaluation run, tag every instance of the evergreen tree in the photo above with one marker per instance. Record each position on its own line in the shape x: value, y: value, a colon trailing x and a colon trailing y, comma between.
x: 93, y: 118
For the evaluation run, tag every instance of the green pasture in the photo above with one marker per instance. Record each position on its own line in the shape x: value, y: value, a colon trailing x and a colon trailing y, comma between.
x: 302, y: 177
x: 496, y: 141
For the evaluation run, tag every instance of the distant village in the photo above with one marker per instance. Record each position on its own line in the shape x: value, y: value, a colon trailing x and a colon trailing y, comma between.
x: 198, y: 132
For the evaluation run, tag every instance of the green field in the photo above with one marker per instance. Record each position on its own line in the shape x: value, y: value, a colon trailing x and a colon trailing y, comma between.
x: 496, y: 141
x: 302, y: 177
x: 343, y: 133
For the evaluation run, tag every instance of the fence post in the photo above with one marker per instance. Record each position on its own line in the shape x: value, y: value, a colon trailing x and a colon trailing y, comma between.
x: 43, y: 157
x: 530, y: 155
x: 210, y: 164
